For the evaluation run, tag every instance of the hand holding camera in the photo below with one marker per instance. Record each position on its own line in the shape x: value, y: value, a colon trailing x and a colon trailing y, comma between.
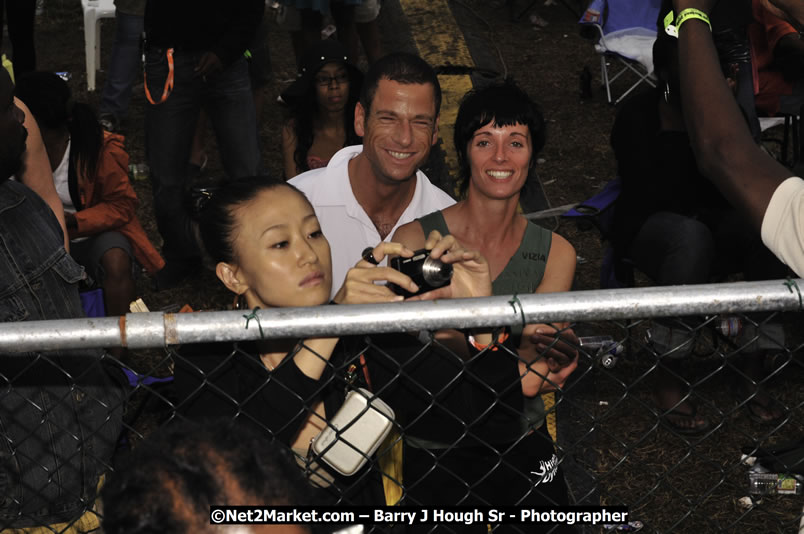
x: 360, y: 287
x: 470, y: 276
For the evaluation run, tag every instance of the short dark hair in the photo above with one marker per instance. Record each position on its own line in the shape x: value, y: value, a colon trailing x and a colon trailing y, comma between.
x: 188, y: 466
x: 504, y: 103
x: 403, y: 68
x: 217, y: 223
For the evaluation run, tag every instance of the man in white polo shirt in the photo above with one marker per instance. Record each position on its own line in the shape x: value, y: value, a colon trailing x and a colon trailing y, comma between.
x: 367, y: 191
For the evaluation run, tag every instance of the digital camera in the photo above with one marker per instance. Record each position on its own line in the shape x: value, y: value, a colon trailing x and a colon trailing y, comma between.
x: 428, y: 273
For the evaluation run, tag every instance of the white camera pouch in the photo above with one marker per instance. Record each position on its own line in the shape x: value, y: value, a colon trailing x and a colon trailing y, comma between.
x: 354, y: 433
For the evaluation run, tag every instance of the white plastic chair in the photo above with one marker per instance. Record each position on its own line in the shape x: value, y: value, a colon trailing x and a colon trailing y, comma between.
x: 94, y: 11
x: 627, y: 31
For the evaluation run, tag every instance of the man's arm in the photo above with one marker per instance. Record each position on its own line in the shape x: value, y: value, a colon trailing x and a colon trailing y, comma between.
x: 36, y: 172
x: 723, y: 146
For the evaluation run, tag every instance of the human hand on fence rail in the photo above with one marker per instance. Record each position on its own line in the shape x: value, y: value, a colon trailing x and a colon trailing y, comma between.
x: 359, y: 287
x: 556, y: 346
x: 549, y: 355
x: 471, y: 276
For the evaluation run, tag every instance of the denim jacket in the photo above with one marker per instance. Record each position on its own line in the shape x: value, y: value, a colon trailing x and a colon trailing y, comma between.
x: 60, y: 411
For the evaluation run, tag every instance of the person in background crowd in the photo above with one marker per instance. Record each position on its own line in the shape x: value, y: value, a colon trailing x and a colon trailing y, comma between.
x: 777, y: 58
x: 790, y: 10
x: 35, y: 171
x: 61, y: 411
x: 20, y: 16
x: 366, y: 192
x: 763, y: 190
x: 194, y: 59
x: 90, y: 172
x: 124, y: 64
x: 305, y: 19
x: 673, y: 225
x: 322, y: 103
x: 368, y: 30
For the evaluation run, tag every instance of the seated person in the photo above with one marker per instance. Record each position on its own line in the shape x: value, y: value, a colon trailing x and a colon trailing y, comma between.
x: 498, y: 132
x: 61, y: 411
x: 90, y: 171
x: 173, y: 477
x: 790, y: 10
x: 674, y: 226
x: 777, y: 56
x: 270, y: 252
x: 322, y: 109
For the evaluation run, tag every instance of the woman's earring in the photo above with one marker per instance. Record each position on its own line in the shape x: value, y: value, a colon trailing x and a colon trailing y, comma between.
x: 667, y: 92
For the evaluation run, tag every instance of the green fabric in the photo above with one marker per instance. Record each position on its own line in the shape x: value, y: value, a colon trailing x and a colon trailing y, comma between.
x: 522, y: 274
x: 525, y: 269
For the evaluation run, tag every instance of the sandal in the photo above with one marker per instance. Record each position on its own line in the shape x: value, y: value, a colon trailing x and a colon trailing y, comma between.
x: 762, y: 413
x: 669, y: 419
x: 760, y: 405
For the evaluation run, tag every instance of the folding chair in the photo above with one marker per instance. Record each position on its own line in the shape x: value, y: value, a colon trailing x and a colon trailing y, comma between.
x: 626, y: 31
x: 598, y: 212
x: 94, y: 11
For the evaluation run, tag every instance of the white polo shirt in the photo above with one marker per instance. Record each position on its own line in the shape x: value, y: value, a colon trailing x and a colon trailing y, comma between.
x: 345, y: 224
x: 783, y: 224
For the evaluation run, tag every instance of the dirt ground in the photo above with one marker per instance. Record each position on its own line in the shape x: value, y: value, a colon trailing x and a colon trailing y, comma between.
x: 672, y: 485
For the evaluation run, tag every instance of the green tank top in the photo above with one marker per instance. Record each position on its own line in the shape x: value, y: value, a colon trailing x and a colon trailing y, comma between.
x: 522, y: 274
x: 524, y: 271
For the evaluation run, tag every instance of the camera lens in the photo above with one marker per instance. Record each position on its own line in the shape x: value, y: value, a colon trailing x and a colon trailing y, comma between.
x: 435, y: 272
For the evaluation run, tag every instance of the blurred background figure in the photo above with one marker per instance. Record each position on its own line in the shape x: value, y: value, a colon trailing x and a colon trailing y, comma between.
x: 321, y: 108
x: 19, y: 18
x: 195, y: 58
x: 90, y: 173
x: 355, y: 23
x: 125, y: 63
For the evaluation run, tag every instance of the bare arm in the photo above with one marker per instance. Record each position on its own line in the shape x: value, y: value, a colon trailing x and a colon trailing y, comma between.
x: 540, y: 344
x: 723, y: 146
x: 36, y: 172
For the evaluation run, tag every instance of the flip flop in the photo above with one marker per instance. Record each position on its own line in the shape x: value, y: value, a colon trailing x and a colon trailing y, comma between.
x: 754, y: 405
x: 667, y: 421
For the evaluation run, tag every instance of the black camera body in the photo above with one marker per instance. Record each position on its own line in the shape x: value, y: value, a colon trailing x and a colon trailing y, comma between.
x: 428, y: 273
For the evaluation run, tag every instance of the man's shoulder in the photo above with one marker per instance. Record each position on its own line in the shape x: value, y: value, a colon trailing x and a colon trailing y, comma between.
x: 322, y: 183
x: 306, y: 181
x: 432, y: 195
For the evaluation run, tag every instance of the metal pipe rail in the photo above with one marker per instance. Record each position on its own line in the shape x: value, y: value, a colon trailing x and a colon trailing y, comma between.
x: 158, y: 329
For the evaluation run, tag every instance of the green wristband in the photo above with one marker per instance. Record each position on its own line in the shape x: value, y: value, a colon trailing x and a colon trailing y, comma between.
x: 691, y: 13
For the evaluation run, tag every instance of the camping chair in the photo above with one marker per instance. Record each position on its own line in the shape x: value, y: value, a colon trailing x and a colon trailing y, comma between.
x: 626, y: 31
x: 598, y: 212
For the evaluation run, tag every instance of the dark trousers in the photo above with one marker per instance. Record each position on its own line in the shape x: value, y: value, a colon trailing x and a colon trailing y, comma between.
x: 21, y: 14
x: 169, y: 127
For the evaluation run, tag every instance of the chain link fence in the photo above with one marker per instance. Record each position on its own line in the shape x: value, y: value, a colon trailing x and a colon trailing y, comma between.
x: 467, y: 426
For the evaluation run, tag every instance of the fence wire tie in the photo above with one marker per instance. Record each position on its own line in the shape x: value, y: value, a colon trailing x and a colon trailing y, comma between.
x: 514, y: 302
x: 790, y: 283
x: 253, y: 315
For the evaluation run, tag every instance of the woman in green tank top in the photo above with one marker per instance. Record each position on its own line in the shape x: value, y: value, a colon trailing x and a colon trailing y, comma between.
x: 497, y: 134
